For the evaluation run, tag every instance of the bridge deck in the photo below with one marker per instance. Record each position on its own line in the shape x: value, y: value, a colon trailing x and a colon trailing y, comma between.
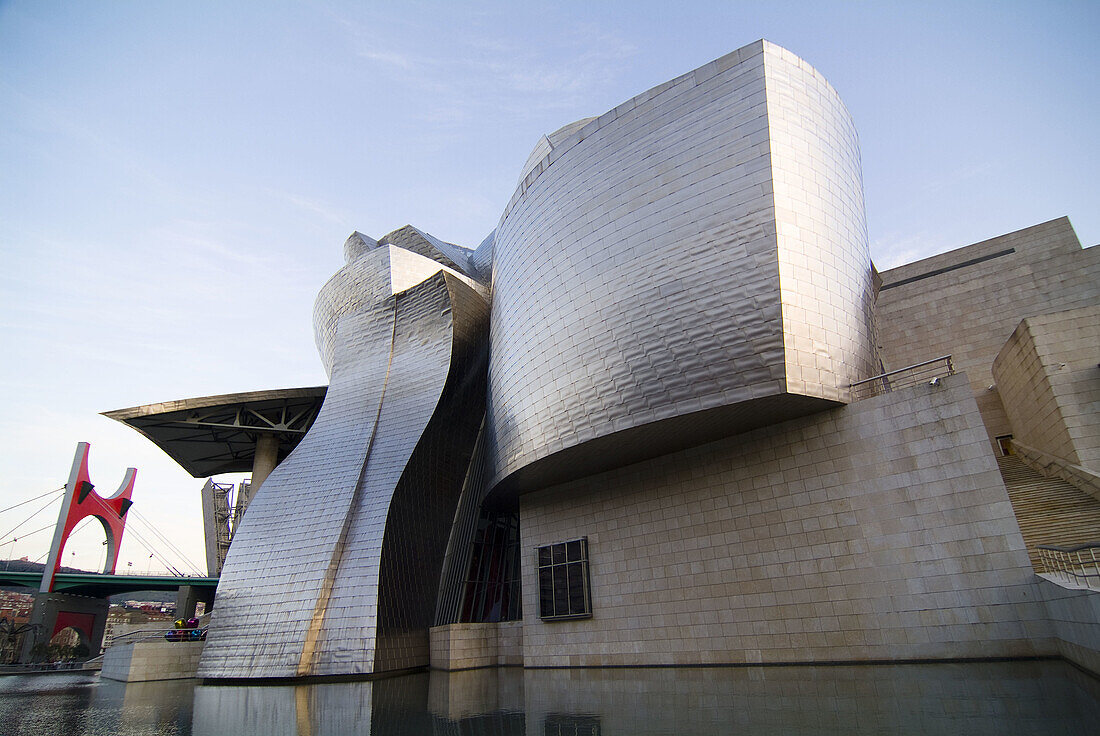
x: 100, y: 586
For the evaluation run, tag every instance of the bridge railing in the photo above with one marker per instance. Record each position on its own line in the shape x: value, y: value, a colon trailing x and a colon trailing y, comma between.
x: 930, y: 371
x: 147, y: 573
x: 1077, y: 566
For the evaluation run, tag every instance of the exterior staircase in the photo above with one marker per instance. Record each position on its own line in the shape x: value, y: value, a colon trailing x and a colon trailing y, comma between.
x: 1049, y: 510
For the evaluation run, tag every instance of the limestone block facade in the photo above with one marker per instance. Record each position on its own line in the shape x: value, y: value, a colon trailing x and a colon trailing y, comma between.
x: 967, y: 302
x: 877, y: 531
x: 148, y: 661
x: 1048, y: 375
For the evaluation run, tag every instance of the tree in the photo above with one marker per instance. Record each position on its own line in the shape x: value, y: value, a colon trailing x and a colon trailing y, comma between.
x: 11, y: 634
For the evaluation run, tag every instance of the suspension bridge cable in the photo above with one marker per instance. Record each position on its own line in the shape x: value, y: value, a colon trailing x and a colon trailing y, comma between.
x: 153, y: 552
x: 144, y: 543
x: 149, y: 547
x: 24, y: 503
x: 167, y: 542
x: 141, y: 540
x: 24, y: 535
x: 159, y: 536
x: 36, y: 513
x: 162, y: 538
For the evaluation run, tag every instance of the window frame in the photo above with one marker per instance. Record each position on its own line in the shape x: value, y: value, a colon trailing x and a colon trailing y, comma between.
x: 545, y: 569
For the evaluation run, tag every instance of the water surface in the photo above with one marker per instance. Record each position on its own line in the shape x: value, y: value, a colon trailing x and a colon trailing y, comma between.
x: 1038, y: 698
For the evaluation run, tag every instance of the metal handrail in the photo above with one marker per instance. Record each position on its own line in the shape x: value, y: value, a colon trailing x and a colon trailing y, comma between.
x: 1072, y: 563
x: 142, y: 635
x: 1077, y: 548
x: 905, y: 377
x: 33, y: 667
x: 887, y: 374
x: 155, y: 635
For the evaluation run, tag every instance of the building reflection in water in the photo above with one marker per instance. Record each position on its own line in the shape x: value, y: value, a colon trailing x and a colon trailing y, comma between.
x: 986, y: 698
x: 141, y: 707
x: 474, y: 702
x: 37, y: 704
x: 81, y: 703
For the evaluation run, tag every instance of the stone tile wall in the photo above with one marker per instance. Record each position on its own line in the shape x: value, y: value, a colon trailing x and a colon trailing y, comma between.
x: 1075, y: 619
x: 469, y: 646
x: 971, y: 311
x: 878, y: 531
x: 152, y: 660
x: 1048, y: 374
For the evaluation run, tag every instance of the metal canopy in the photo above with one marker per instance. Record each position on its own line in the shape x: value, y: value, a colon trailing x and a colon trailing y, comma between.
x: 217, y: 434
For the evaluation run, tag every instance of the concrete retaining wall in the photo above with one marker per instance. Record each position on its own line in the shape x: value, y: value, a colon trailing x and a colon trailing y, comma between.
x: 468, y: 646
x: 1075, y: 620
x: 152, y: 660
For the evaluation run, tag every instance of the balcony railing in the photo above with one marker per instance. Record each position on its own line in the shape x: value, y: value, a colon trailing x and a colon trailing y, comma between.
x: 930, y: 371
x: 1078, y: 566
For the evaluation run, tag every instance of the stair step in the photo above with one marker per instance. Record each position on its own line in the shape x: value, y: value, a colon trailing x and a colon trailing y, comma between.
x: 1048, y: 510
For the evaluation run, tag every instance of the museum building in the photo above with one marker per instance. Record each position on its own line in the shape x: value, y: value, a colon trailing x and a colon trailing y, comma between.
x: 668, y: 413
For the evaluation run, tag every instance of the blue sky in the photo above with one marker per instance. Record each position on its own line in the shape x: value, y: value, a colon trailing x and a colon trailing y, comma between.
x: 177, y: 179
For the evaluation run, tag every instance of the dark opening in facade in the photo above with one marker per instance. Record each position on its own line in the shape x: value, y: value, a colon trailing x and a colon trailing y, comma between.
x: 564, y: 591
x: 492, y: 591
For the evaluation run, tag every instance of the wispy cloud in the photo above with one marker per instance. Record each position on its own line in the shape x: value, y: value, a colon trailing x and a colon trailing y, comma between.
x: 313, y: 206
x: 951, y: 180
x: 510, y: 77
x: 893, y: 249
x: 202, y: 238
x: 53, y: 121
x: 404, y: 61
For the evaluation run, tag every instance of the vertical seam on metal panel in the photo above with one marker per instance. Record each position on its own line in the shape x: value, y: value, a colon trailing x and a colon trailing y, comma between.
x: 306, y: 662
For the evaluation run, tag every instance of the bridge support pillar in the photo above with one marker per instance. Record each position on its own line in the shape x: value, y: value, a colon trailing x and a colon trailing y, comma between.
x: 53, y: 612
x: 188, y: 597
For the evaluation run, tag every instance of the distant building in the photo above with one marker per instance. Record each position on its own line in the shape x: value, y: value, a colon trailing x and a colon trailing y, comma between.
x: 123, y: 621
x: 15, y: 614
x: 668, y: 413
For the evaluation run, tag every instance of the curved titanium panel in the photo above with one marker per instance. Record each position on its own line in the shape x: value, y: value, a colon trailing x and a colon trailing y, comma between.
x: 300, y: 592
x: 642, y: 299
x: 383, y: 595
x: 824, y: 258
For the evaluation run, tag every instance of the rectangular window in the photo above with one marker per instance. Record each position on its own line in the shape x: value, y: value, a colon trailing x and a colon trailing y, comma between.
x: 571, y: 725
x: 563, y: 581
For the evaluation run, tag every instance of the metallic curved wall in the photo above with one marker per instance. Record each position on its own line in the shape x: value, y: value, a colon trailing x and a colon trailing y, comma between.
x: 824, y: 259
x: 691, y: 264
x: 307, y: 588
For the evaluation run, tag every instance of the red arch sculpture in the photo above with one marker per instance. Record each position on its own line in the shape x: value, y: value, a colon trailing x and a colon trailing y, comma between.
x: 81, y: 501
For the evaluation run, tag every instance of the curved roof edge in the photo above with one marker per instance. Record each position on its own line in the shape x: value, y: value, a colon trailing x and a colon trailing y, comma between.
x: 210, y: 435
